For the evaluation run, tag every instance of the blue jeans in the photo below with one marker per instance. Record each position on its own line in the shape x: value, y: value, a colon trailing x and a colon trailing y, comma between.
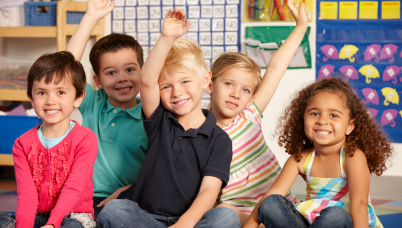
x: 278, y: 211
x: 8, y: 221
x: 126, y: 213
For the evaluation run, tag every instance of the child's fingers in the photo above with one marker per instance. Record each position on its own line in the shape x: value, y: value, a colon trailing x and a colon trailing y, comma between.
x: 179, y: 13
x: 101, y: 203
x: 297, y: 4
x: 187, y: 25
x: 170, y: 13
x: 183, y: 16
x: 302, y: 8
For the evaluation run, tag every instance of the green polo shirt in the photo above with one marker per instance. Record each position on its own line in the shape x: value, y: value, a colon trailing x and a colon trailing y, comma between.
x: 122, y: 141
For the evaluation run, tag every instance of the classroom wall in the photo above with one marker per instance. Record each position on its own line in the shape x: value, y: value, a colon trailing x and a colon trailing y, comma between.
x: 293, y: 80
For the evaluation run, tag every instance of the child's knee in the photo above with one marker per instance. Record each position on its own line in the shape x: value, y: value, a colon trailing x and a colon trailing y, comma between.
x: 336, y: 215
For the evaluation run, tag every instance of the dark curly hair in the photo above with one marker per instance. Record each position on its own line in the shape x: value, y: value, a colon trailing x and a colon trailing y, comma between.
x: 367, y: 136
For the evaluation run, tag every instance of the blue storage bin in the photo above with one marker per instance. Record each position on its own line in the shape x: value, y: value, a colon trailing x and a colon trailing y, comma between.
x: 34, y: 16
x: 13, y: 127
x: 74, y: 17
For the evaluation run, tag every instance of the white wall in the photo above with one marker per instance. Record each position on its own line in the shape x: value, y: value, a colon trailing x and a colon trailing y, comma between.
x: 294, y: 80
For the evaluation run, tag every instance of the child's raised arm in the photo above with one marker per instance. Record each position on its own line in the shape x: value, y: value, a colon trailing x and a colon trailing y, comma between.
x: 280, y: 61
x: 96, y: 10
x: 174, y: 26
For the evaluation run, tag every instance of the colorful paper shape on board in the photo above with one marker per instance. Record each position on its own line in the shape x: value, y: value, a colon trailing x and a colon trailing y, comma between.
x: 372, y: 112
x: 349, y: 71
x: 328, y: 11
x: 388, y: 117
x: 390, y: 95
x: 388, y: 51
x: 372, y: 52
x: 368, y: 10
x: 371, y: 96
x: 369, y: 71
x: 347, y: 52
x: 326, y: 71
x: 348, y: 10
x: 390, y: 73
x: 391, y: 10
x: 330, y: 52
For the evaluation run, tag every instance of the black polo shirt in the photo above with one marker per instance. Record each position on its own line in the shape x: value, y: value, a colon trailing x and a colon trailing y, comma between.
x: 177, y: 160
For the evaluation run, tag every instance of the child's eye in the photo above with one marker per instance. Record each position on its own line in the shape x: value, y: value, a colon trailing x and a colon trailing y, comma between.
x: 314, y: 114
x: 41, y: 93
x: 228, y: 83
x: 333, y: 115
x: 130, y: 70
x: 246, y: 90
x: 62, y: 92
x: 185, y: 82
x: 165, y: 87
x: 111, y: 73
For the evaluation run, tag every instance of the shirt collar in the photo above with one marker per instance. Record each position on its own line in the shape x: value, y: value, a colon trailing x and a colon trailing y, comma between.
x: 134, y: 112
x: 206, y: 128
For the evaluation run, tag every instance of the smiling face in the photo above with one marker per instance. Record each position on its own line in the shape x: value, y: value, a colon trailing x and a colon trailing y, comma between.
x: 119, y: 77
x: 326, y: 120
x: 53, y: 103
x: 181, y: 92
x: 231, y: 93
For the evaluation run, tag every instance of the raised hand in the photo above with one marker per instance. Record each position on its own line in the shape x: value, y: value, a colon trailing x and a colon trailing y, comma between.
x: 174, y: 24
x: 299, y: 16
x: 99, y: 8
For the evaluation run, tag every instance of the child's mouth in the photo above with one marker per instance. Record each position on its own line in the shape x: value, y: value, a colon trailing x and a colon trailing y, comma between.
x: 181, y: 102
x: 323, y: 132
x: 230, y: 104
x: 52, y: 112
x: 124, y: 89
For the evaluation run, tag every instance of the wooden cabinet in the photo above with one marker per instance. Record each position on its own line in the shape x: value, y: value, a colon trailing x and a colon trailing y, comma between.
x: 60, y: 32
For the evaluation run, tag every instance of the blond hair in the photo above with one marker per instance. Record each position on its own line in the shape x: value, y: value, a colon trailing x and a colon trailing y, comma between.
x: 185, y: 55
x: 231, y: 60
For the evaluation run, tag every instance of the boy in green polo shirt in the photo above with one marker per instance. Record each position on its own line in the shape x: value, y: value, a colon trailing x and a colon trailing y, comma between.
x: 112, y: 111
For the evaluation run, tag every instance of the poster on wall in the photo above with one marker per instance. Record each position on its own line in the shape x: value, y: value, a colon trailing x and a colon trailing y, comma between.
x: 215, y: 24
x: 362, y: 40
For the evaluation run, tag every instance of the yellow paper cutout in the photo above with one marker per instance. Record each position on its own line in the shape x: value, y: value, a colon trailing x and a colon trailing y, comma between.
x: 328, y: 10
x: 348, y: 10
x: 368, y: 10
x: 391, y: 10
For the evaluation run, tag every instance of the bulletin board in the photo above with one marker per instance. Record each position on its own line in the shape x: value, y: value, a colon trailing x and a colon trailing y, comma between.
x: 215, y: 24
x: 362, y: 40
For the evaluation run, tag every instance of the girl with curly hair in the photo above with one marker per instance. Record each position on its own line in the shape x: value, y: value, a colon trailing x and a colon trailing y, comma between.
x: 334, y: 145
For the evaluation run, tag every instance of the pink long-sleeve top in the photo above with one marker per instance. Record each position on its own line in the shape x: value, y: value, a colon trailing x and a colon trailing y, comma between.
x: 55, y: 181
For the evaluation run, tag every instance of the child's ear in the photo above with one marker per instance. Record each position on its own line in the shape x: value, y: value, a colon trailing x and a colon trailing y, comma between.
x: 78, y: 101
x: 206, y: 81
x: 209, y: 88
x: 351, y: 127
x: 97, y: 81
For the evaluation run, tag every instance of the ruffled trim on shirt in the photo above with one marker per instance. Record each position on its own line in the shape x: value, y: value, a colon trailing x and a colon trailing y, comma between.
x: 35, y: 160
x: 60, y: 168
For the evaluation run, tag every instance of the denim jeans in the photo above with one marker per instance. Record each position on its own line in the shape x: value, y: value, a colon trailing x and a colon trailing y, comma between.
x: 8, y: 221
x: 278, y: 211
x: 126, y: 213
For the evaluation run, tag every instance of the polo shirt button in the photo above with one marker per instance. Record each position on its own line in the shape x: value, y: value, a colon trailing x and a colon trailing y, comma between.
x: 113, y: 124
x: 115, y: 111
x: 47, y: 183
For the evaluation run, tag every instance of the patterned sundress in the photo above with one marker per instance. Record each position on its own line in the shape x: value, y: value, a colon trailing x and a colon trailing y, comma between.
x: 328, y: 192
x: 254, y: 167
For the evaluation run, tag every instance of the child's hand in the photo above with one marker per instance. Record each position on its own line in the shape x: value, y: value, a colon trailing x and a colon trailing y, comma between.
x: 174, y: 24
x: 99, y: 9
x: 300, y: 17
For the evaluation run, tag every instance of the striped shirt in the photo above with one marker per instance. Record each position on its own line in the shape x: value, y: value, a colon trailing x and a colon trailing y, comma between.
x: 254, y: 167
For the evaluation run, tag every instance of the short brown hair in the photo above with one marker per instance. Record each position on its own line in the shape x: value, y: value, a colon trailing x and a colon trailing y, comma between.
x: 113, y: 43
x: 57, y: 67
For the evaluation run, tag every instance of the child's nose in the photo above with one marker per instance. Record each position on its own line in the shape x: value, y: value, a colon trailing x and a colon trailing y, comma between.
x: 322, y: 120
x: 50, y: 100
x: 176, y: 92
x: 235, y: 94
